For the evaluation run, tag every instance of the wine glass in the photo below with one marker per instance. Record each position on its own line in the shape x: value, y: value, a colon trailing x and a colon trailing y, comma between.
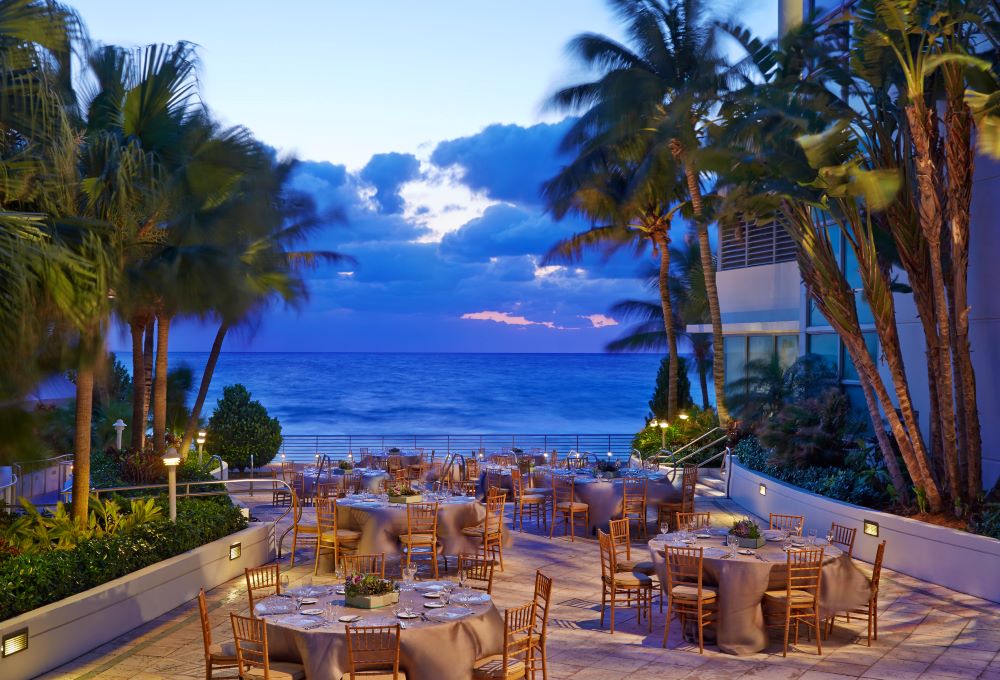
x: 461, y: 579
x: 829, y: 537
x: 664, y: 529
x: 812, y: 537
x: 732, y: 542
x: 284, y: 581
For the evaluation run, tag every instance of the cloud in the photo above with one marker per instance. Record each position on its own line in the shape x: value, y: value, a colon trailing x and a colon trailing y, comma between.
x: 600, y: 320
x: 388, y: 172
x: 506, y: 162
x: 505, y: 230
x: 509, y: 319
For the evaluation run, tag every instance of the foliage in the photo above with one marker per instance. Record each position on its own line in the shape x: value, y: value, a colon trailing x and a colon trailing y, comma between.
x: 240, y: 428
x: 346, y: 465
x: 658, y: 402
x: 31, y: 580
x: 745, y: 528
x: 988, y: 521
x: 647, y: 441
x: 401, y: 490
x: 367, y: 585
x: 815, y: 432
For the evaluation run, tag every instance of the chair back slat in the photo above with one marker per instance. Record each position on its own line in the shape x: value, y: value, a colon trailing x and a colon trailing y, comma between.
x: 371, y: 648
x: 621, y: 540
x: 421, y: 518
x: 362, y: 565
x: 697, y: 520
x: 634, y: 494
x: 478, y: 572
x: 518, y: 635
x: 562, y: 489
x: 683, y: 566
x: 262, y: 581
x: 791, y: 523
x: 206, y: 628
x: 805, y: 569
x: 877, y: 570
x: 471, y: 471
x: 250, y: 637
x: 494, y: 513
x: 608, y: 561
x: 843, y: 538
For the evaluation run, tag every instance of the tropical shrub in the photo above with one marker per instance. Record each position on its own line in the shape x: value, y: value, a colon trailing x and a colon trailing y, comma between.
x: 816, y: 431
x: 240, y: 429
x: 647, y: 441
x: 988, y: 521
x: 33, y: 531
x: 658, y: 402
x: 31, y: 580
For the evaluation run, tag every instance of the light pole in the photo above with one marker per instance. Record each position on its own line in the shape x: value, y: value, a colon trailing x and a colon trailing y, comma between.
x: 663, y: 433
x: 201, y: 443
x: 172, y: 459
x: 119, y: 426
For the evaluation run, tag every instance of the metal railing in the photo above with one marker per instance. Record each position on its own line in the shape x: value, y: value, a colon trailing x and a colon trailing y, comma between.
x: 673, y: 461
x: 38, y: 477
x: 302, y: 448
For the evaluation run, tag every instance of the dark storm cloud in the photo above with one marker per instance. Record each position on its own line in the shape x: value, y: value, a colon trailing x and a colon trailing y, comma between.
x: 506, y: 162
x: 388, y: 172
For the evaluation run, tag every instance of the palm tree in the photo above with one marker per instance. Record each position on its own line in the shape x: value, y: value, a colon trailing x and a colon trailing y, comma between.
x: 659, y: 90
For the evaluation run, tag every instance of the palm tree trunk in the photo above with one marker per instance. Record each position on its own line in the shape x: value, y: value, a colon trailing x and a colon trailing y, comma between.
x: 662, y: 240
x: 147, y: 367
x: 81, y: 442
x: 206, y: 380
x: 922, y: 123
x: 711, y: 290
x: 703, y: 382
x: 884, y: 444
x: 960, y: 161
x: 136, y: 327
x: 160, y: 385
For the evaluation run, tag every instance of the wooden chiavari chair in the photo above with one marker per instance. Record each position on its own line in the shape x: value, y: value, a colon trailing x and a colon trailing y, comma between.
x: 528, y: 503
x: 634, y: 501
x: 299, y: 487
x: 666, y: 513
x: 540, y: 483
x: 327, y: 490
x: 518, y: 640
x: 367, y: 461
x: 564, y: 505
x: 470, y: 471
x: 252, y: 658
x: 695, y: 520
x: 371, y: 649
x: 308, y: 530
x: 394, y: 462
x: 798, y: 601
x: 478, y: 572
x: 279, y: 493
x: 687, y: 597
x: 467, y: 487
x: 363, y: 565
x: 216, y: 655
x: 542, y: 597
x: 843, y: 538
x: 490, y: 532
x: 576, y: 462
x: 502, y: 459
x: 620, y: 532
x: 870, y: 610
x: 330, y: 537
x: 791, y: 523
x: 262, y: 581
x: 625, y: 588
x: 421, y: 533
x: 493, y: 479
x: 401, y: 477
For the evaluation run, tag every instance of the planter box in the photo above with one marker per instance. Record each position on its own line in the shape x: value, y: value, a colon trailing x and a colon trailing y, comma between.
x: 406, y: 499
x: 372, y: 601
x: 752, y: 542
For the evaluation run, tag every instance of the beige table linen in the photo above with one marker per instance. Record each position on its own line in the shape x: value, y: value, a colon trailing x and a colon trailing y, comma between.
x: 428, y: 650
x: 371, y: 479
x: 382, y: 525
x: 742, y: 581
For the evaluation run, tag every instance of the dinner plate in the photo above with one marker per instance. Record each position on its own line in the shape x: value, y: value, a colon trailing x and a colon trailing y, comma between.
x: 435, y: 605
x: 308, y: 600
x: 340, y: 590
x: 311, y: 612
x: 349, y: 618
x: 434, y: 594
x: 404, y: 615
x: 431, y: 585
x: 451, y: 614
x: 470, y: 598
x: 703, y: 535
x: 745, y: 551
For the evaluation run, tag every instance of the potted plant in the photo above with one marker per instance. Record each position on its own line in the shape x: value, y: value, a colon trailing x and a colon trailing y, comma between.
x: 346, y: 465
x: 748, y: 533
x: 403, y: 493
x: 369, y: 592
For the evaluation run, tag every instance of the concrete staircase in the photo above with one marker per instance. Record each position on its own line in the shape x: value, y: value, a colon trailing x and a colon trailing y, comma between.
x: 711, y: 484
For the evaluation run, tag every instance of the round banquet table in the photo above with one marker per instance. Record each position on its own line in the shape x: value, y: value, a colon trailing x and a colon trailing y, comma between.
x: 604, y: 496
x: 429, y: 649
x: 372, y: 478
x: 381, y: 524
x: 743, y: 579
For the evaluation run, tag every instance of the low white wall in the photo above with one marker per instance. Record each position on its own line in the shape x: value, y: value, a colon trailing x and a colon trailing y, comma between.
x: 948, y: 557
x: 63, y: 630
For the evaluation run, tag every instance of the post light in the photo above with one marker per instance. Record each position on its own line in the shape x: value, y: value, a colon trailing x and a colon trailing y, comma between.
x: 654, y: 422
x: 119, y: 426
x: 871, y: 528
x: 683, y: 416
x: 663, y: 433
x: 172, y: 459
x: 762, y: 490
x: 201, y: 443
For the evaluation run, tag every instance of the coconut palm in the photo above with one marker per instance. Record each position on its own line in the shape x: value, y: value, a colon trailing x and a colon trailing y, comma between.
x: 660, y: 89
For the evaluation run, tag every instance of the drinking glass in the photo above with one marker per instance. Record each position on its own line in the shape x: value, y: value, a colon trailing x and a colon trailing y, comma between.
x: 732, y: 542
x: 329, y: 613
x: 812, y: 537
x: 829, y: 537
x: 284, y: 581
x: 461, y: 579
x: 664, y: 529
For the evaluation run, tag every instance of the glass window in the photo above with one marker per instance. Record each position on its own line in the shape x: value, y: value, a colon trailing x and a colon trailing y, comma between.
x: 871, y: 342
x: 826, y: 345
x: 761, y: 348
x: 864, y: 310
x: 815, y: 317
x: 859, y: 406
x: 851, y: 272
x: 788, y: 350
x: 735, y: 347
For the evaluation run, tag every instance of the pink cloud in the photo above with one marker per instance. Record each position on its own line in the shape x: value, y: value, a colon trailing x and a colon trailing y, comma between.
x: 507, y: 318
x: 600, y: 320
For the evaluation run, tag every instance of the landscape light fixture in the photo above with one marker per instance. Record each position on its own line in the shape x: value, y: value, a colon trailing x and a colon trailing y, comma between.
x: 762, y: 490
x: 235, y: 550
x: 871, y: 528
x: 172, y: 459
x: 663, y: 433
x: 201, y: 443
x: 683, y: 416
x: 15, y: 642
x: 119, y: 426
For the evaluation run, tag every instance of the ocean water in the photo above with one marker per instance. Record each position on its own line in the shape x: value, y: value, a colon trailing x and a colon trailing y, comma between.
x: 360, y: 393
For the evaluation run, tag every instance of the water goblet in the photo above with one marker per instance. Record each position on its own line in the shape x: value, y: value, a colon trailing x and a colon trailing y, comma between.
x: 664, y: 529
x: 284, y: 582
x: 732, y: 542
x: 829, y: 537
x: 812, y: 537
x: 329, y: 612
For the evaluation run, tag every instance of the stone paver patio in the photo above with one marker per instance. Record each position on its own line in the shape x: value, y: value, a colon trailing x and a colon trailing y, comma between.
x: 925, y: 631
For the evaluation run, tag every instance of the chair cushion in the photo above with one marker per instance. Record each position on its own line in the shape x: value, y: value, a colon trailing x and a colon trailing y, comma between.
x: 532, y: 499
x: 643, y: 567
x: 492, y: 667
x: 374, y: 675
x: 348, y: 535
x: 280, y: 670
x: 222, y: 652
x: 631, y: 579
x: 474, y: 531
x: 539, y: 491
x: 574, y: 506
x: 798, y: 596
x: 417, y: 539
x: 686, y: 592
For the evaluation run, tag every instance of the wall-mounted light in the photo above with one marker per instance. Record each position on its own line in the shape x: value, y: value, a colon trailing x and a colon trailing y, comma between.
x: 15, y: 642
x: 235, y: 550
x: 762, y: 490
x: 871, y: 528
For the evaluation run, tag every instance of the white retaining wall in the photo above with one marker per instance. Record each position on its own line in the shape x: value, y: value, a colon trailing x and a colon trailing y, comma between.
x: 955, y: 559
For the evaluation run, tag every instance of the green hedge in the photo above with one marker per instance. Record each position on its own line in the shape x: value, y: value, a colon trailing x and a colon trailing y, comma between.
x: 31, y: 580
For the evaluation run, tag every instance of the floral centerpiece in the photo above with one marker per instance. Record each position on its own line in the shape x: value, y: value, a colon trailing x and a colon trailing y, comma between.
x: 608, y: 468
x: 748, y: 533
x: 370, y: 592
x: 346, y: 465
x: 403, y: 493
